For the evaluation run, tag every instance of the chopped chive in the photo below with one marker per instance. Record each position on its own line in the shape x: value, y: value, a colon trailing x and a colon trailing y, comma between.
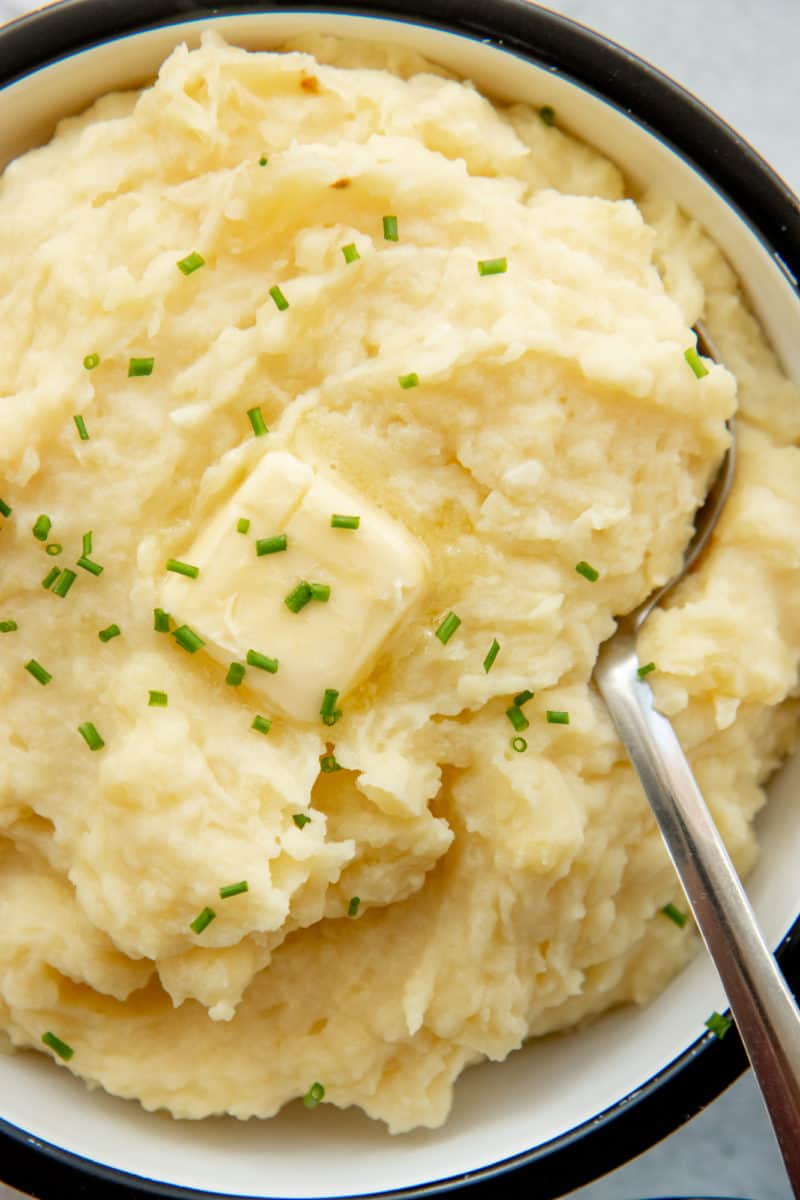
x: 271, y: 545
x: 557, y: 718
x: 261, y: 725
x: 718, y: 1025
x: 350, y: 253
x: 314, y: 1095
x: 50, y: 578
x: 281, y: 303
x: 5, y: 509
x: 299, y: 597
x: 161, y: 620
x: 42, y: 528
x: 87, y: 544
x: 236, y: 673
x: 519, y: 744
x: 517, y: 718
x: 340, y: 522
x: 408, y: 381
x: 182, y: 568
x: 390, y: 233
x: 140, y: 366
x: 92, y: 567
x: 547, y: 114
x: 192, y: 262
x: 262, y: 162
x: 320, y: 592
x: 158, y: 700
x: 8, y: 626
x: 494, y: 650
x: 53, y: 549
x: 243, y: 525
x: 233, y: 889
x: 254, y: 659
x: 353, y: 906
x: 328, y: 764
x: 675, y: 914
x: 256, y: 418
x: 328, y: 706
x: 188, y: 639
x: 447, y: 628
x: 695, y: 362
x: 55, y: 1043
x: 523, y: 698
x: 91, y: 736
x: 91, y: 361
x: 587, y: 571
x: 301, y: 820
x: 646, y: 669
x: 64, y: 583
x: 202, y: 920
x: 113, y: 631
x: 80, y: 425
x: 493, y: 266
x: 38, y: 672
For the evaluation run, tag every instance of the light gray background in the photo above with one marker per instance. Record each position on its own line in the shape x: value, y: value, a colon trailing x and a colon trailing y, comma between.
x: 742, y: 57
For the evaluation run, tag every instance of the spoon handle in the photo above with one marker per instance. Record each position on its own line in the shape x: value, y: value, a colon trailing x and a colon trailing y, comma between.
x: 765, y: 1011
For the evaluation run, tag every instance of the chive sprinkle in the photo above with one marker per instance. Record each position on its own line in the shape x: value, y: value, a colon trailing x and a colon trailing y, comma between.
x: 327, y: 709
x: 718, y: 1025
x: 92, y: 567
x: 695, y: 362
x: 328, y: 764
x: 8, y: 626
x: 523, y: 697
x: 271, y: 545
x: 106, y: 635
x: 64, y: 583
x: 53, y: 549
x: 243, y: 525
x: 55, y: 1043
x: 87, y: 543
x: 547, y: 114
x: 254, y: 659
x: 140, y: 366
x: 557, y: 718
x: 320, y: 592
x: 236, y: 673
x: 161, y: 620
x: 50, y: 578
x: 256, y: 418
x: 42, y: 528
x: 314, y: 1095
x: 188, y: 639
x: 492, y: 266
x: 182, y: 568
x: 38, y: 672
x: 158, y: 700
x: 353, y: 906
x: 192, y: 262
x: 519, y: 745
x: 301, y: 820
x: 281, y: 303
x: 80, y: 425
x: 261, y: 725
x: 91, y: 736
x: 587, y: 571
x: 645, y: 670
x: 91, y: 361
x: 299, y: 597
x: 675, y: 914
x: 233, y: 889
x: 517, y: 718
x: 350, y: 253
x: 202, y: 920
x: 448, y: 627
x: 408, y: 381
x: 390, y: 233
x: 340, y: 522
x: 262, y: 162
x: 494, y: 650
x: 5, y: 509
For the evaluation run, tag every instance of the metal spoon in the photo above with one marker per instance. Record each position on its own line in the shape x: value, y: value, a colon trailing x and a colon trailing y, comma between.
x: 764, y: 1009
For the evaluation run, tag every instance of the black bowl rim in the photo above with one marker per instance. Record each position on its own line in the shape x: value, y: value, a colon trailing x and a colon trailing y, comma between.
x: 689, y: 1083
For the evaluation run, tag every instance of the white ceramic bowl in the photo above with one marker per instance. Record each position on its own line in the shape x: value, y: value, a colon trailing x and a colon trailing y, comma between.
x: 564, y: 1109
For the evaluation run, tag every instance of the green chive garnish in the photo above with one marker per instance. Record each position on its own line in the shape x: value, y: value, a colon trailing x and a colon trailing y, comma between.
x: 254, y: 659
x: 494, y: 650
x: 8, y: 626
x: 557, y: 718
x: 271, y: 545
x: 523, y: 698
x: 42, y: 528
x: 236, y: 673
x: 314, y: 1095
x: 299, y: 597
x: 328, y: 710
x: 140, y: 366
x: 87, y: 543
x: 50, y: 578
x: 161, y: 620
x: 92, y: 567
x: 301, y: 820
x: 53, y: 549
x: 352, y: 908
x: 493, y: 266
x: 646, y: 669
x: 718, y: 1025
x: 182, y: 568
x: 91, y: 736
x: 262, y: 162
x: 340, y: 522
x: 64, y: 583
x: 261, y: 725
x: 320, y: 592
x: 517, y: 718
x: 390, y: 233
x: 588, y: 572
x: 113, y: 631
x: 243, y: 525
x: 55, y: 1043
x: 188, y: 639
x: 547, y: 114
x: 256, y: 418
x: 408, y: 381
x: 192, y: 262
x: 675, y: 914
x: 5, y: 510
x: 695, y: 362
x: 328, y: 764
x: 202, y: 920
x: 519, y: 744
x: 281, y: 303
x: 233, y: 889
x: 350, y: 253
x: 80, y: 425
x: 447, y: 628
x: 91, y: 361
x: 38, y: 672
x: 158, y: 700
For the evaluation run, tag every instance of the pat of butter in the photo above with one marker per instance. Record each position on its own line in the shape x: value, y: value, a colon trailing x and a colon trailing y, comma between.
x: 375, y: 574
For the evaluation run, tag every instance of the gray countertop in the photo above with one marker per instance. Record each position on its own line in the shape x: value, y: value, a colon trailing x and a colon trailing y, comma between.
x: 741, y: 58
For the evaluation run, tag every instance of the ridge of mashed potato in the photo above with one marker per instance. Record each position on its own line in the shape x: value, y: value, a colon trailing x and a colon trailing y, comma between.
x: 492, y: 894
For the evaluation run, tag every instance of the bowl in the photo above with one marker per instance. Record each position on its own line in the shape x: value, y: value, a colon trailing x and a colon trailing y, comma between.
x: 565, y: 1109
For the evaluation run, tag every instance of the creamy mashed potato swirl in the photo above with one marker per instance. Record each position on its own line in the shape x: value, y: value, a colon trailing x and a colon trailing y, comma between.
x: 421, y: 892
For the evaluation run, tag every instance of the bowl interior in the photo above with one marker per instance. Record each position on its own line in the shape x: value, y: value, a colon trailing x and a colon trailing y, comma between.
x: 554, y: 1085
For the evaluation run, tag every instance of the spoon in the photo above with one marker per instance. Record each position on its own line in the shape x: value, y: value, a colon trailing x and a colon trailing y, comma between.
x: 766, y: 1015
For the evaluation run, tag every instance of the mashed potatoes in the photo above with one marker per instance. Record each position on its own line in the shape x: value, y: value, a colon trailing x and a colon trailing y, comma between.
x: 495, y: 386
